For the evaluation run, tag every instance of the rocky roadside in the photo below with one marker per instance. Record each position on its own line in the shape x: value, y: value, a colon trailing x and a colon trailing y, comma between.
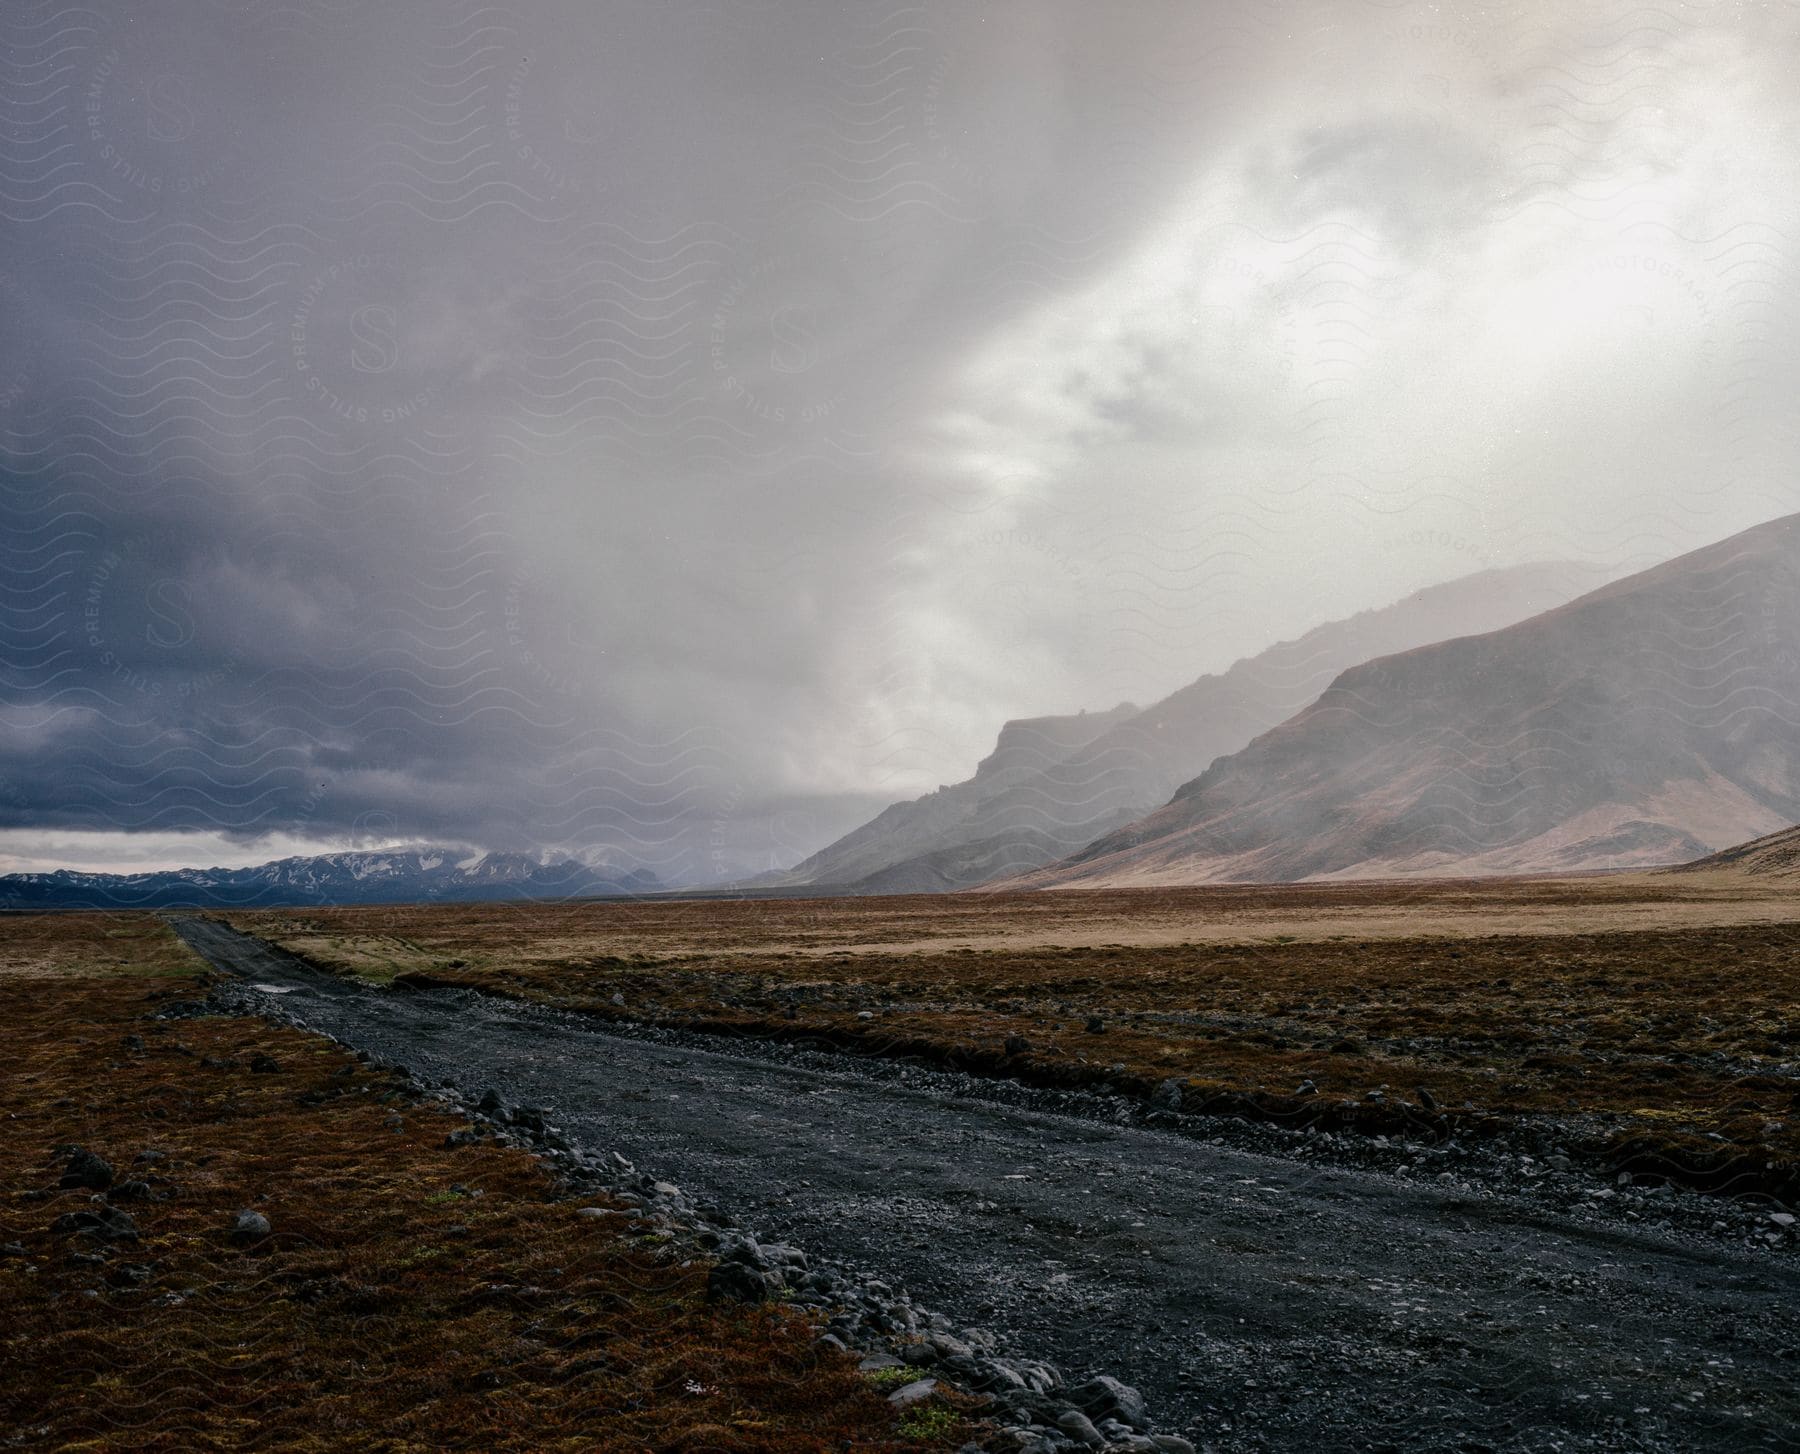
x: 906, y: 1348
x: 1540, y: 1164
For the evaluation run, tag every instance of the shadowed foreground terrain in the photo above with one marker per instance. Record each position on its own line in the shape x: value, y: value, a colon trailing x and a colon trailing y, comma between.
x: 1266, y: 1287
x: 406, y: 1296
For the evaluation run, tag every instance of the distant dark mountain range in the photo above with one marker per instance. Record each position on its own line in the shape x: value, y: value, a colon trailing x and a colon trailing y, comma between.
x: 454, y: 875
x: 1650, y: 722
x: 1054, y: 784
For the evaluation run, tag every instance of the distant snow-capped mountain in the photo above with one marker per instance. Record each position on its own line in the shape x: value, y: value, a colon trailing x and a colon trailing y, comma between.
x: 394, y: 876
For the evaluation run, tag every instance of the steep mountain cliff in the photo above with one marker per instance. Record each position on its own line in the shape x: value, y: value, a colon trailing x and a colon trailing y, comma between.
x: 1056, y: 783
x: 1648, y: 722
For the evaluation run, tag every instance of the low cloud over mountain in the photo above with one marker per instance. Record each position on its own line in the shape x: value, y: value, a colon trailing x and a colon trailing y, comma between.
x: 1053, y: 784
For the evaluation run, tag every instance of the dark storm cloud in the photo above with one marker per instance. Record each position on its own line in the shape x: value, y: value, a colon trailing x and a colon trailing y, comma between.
x: 673, y: 428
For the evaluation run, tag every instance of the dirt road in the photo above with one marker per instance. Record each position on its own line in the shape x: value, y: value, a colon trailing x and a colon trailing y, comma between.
x: 1259, y: 1301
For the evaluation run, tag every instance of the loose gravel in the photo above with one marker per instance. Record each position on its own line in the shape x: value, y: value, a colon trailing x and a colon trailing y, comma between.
x: 1264, y: 1288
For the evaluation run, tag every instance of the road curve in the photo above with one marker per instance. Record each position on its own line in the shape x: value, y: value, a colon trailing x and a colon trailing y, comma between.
x: 1259, y: 1302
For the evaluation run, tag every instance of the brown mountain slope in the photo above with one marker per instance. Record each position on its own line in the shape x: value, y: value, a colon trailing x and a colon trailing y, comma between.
x: 1648, y: 722
x: 1066, y: 780
x: 1774, y: 856
x: 926, y: 825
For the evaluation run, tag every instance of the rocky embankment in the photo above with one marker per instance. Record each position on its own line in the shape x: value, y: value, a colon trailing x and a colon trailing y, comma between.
x: 906, y: 1347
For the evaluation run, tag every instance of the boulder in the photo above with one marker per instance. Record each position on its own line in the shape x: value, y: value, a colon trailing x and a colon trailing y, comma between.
x: 250, y: 1226
x: 1107, y: 1398
x: 107, y: 1224
x: 909, y: 1394
x: 1081, y: 1429
x: 84, y: 1168
x: 739, y: 1282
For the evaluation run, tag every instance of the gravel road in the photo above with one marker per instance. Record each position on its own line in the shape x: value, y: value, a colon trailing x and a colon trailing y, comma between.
x: 1263, y: 1293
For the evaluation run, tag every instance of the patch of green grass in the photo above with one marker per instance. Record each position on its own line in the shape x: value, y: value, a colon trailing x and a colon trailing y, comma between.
x: 887, y: 1378
x: 928, y: 1425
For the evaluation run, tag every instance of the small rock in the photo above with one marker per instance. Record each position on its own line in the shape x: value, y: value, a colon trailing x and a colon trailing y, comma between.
x: 909, y: 1394
x: 876, y: 1362
x: 739, y: 1282
x: 12, y: 1249
x: 134, y: 1043
x: 1427, y: 1099
x: 1095, y: 1025
x: 599, y: 1214
x: 261, y: 1064
x: 619, y: 1000
x: 86, y: 1169
x: 994, y: 1376
x: 1107, y: 1398
x: 1782, y: 1219
x: 132, y: 1191
x: 865, y: 1014
x: 1080, y: 1428
x: 1306, y: 1088
x: 461, y: 1137
x: 744, y: 1250
x: 109, y: 1224
x: 1167, y: 1095
x: 149, y: 1157
x: 1171, y: 1444
x: 490, y: 1102
x: 1017, y: 1045
x: 249, y: 1227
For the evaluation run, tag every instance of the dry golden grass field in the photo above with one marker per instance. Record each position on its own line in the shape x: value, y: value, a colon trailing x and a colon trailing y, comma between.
x: 1653, y: 1020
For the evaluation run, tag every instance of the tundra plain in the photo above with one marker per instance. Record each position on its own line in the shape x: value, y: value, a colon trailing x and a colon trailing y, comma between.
x: 1646, y: 1020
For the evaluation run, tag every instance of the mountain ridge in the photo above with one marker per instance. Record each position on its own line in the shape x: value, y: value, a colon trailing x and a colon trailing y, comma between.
x: 359, y: 876
x: 1649, y: 721
x: 1776, y: 855
x: 996, y: 824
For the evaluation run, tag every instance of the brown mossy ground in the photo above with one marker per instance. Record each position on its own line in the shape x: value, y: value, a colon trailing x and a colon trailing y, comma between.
x: 410, y: 1297
x: 1669, y: 1046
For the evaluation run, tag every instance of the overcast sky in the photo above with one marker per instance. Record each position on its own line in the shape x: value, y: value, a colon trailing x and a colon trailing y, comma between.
x: 680, y: 428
